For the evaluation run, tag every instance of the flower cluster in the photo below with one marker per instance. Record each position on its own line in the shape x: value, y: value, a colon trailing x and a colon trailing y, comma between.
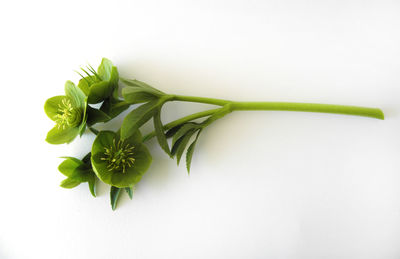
x: 117, y: 162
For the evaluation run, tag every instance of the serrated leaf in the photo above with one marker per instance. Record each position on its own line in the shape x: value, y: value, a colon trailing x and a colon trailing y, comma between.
x: 189, y: 152
x: 69, y: 183
x: 129, y: 190
x: 171, y: 132
x: 183, y: 130
x: 182, y: 145
x: 114, y: 195
x: 158, y: 126
x: 136, y: 118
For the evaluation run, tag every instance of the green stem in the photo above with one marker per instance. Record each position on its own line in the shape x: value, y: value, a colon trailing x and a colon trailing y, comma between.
x: 93, y: 130
x: 286, y: 106
x: 183, y: 120
x: 309, y: 107
x: 195, y: 99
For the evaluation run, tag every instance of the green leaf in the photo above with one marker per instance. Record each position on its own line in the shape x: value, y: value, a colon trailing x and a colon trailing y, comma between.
x: 189, y: 152
x: 136, y: 118
x: 82, y: 126
x: 158, y: 126
x: 113, y: 107
x: 140, y: 84
x: 95, y: 116
x: 173, y: 130
x: 76, y: 94
x: 69, y: 183
x: 60, y: 136
x: 69, y: 165
x: 92, y: 185
x: 98, y: 92
x: 181, y: 145
x: 129, y: 190
x: 183, y: 130
x: 114, y: 195
x: 52, y: 105
x: 86, y: 159
x: 138, y: 95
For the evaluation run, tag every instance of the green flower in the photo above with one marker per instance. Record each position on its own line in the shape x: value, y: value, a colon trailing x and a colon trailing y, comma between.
x: 120, y: 162
x: 100, y: 85
x: 68, y: 112
x: 78, y: 171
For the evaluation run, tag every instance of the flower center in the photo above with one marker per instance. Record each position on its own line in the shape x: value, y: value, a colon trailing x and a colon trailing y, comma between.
x: 119, y: 156
x: 68, y: 116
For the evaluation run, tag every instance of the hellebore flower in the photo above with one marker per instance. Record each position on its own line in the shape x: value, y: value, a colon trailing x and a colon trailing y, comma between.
x: 100, y: 85
x: 119, y: 162
x: 78, y: 171
x: 68, y: 112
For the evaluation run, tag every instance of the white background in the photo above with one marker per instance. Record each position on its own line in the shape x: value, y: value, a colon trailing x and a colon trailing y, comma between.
x: 263, y: 184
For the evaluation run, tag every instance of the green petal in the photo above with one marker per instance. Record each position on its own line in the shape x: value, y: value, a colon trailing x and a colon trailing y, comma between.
x: 76, y: 94
x: 69, y: 165
x: 51, y: 106
x: 85, y: 83
x: 108, y: 72
x: 98, y: 92
x: 133, y: 174
x: 105, y: 69
x: 134, y: 139
x: 69, y: 183
x: 60, y: 136
x: 103, y: 139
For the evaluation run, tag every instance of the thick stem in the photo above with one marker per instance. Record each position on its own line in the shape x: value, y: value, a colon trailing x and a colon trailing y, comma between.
x: 183, y: 120
x: 309, y: 107
x: 286, y: 106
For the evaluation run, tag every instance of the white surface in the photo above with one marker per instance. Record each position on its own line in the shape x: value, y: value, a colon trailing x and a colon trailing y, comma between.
x: 263, y: 184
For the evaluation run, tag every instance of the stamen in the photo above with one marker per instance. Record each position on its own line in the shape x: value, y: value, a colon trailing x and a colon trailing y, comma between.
x: 119, y: 156
x: 67, y: 115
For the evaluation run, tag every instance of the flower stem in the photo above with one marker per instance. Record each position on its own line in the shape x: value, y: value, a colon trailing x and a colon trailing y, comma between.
x: 287, y: 106
x: 183, y: 120
x: 195, y: 99
x: 309, y: 107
